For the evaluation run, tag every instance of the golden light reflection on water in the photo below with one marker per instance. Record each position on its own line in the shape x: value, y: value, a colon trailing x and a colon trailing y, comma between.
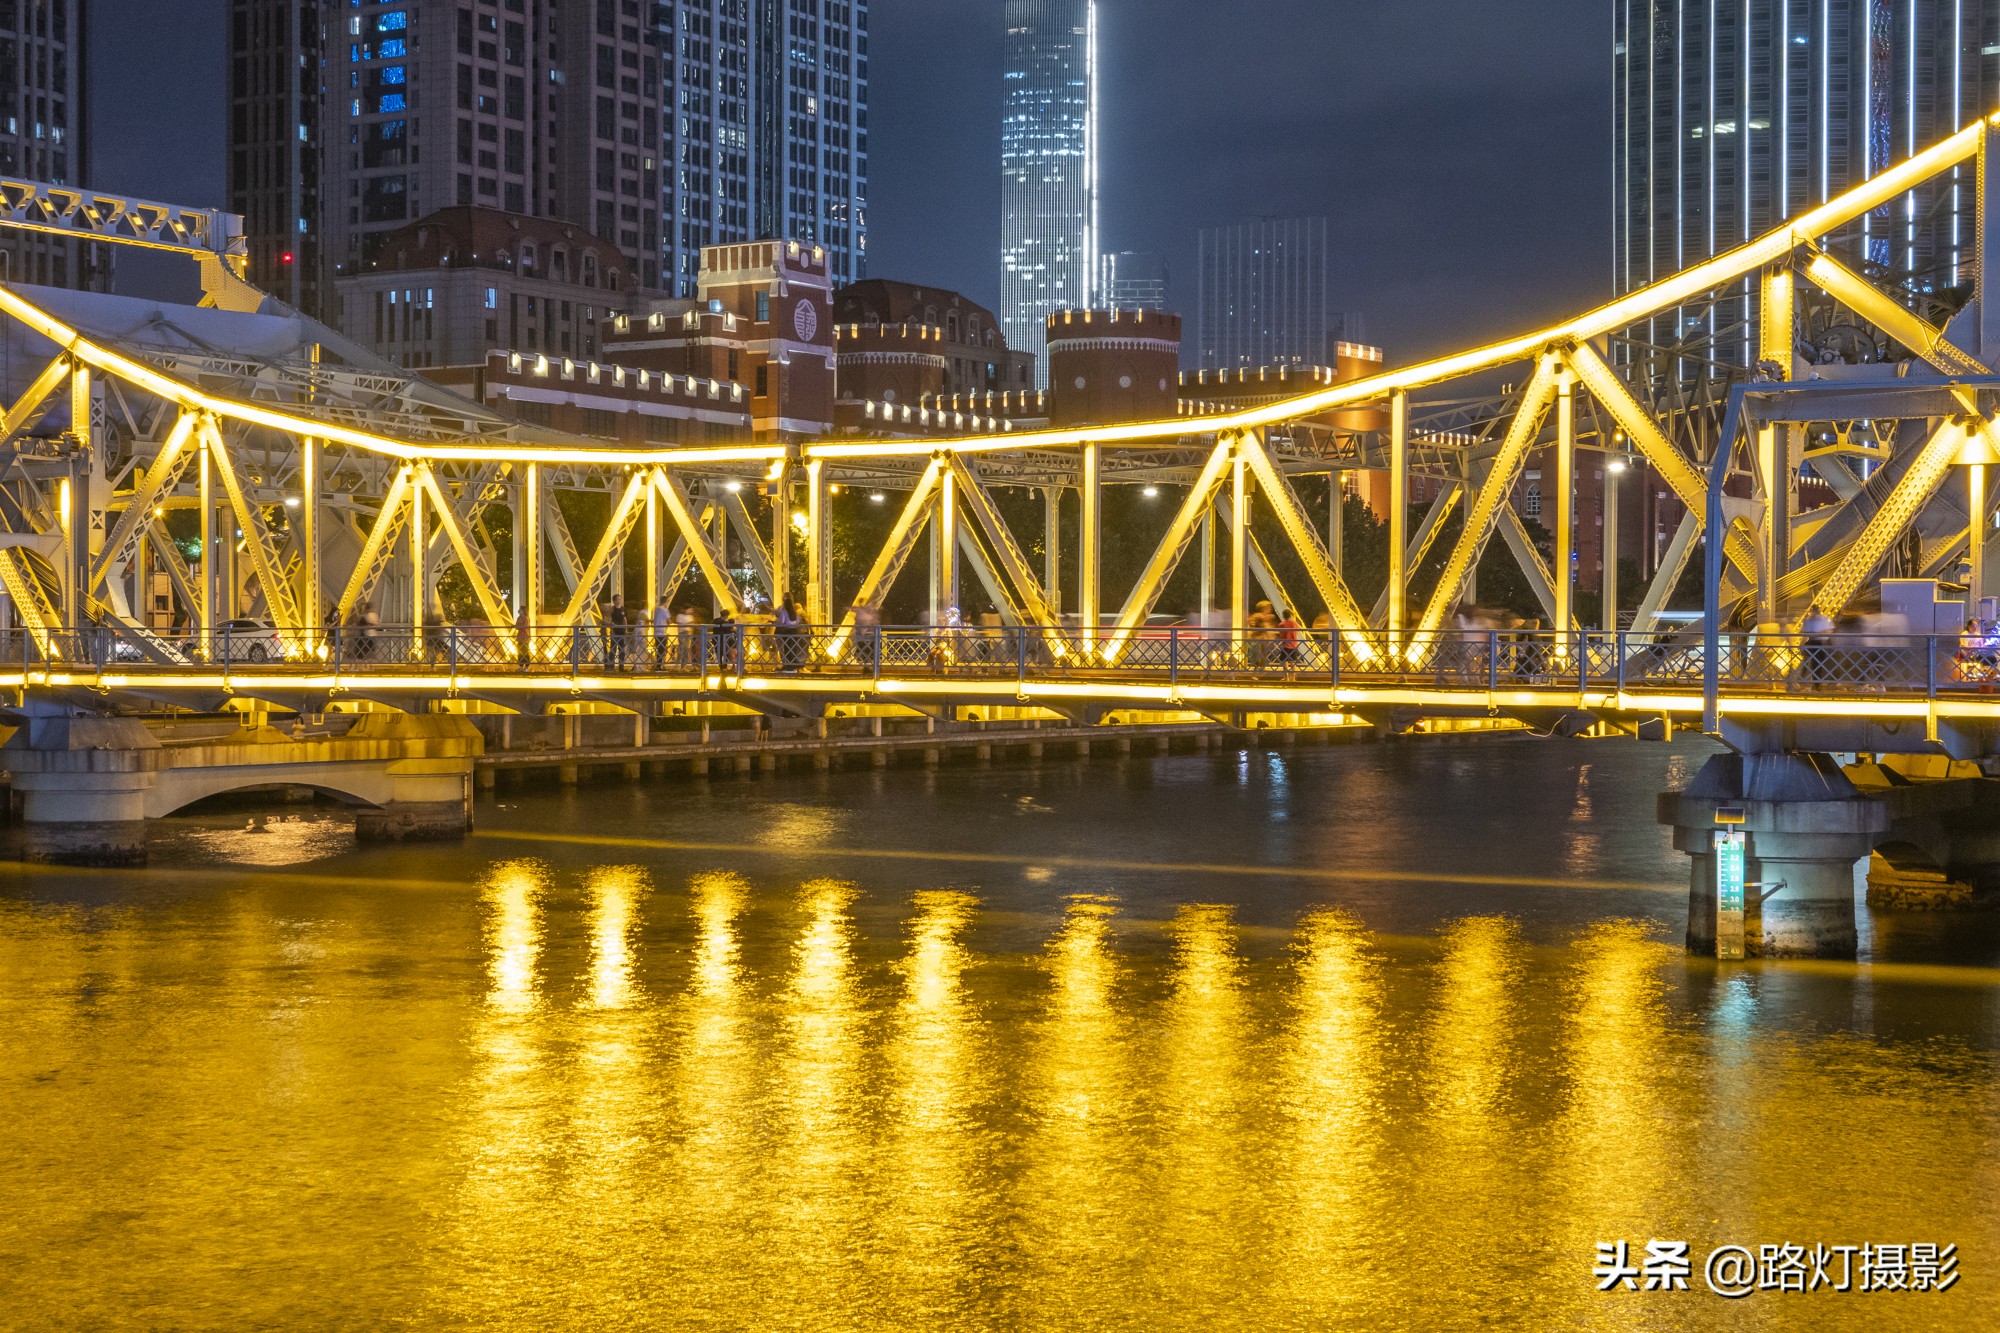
x: 1474, y: 1143
x: 1205, y: 1083
x: 1467, y: 1046
x: 514, y: 933
x: 711, y: 1176
x: 1075, y: 1183
x: 508, y: 1148
x: 816, y: 1219
x: 614, y: 894
x: 611, y: 1123
x: 736, y: 1106
x: 1331, y: 1075
x: 936, y: 1087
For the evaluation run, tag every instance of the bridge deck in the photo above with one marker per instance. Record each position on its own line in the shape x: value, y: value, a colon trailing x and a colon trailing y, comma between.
x: 1873, y: 676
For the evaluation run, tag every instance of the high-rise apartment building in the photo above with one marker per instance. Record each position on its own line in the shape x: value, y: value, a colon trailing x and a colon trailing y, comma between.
x: 1134, y: 280
x: 766, y: 125
x: 1264, y: 295
x: 44, y: 133
x: 1729, y: 118
x: 660, y: 126
x: 1048, y: 156
x: 274, y: 137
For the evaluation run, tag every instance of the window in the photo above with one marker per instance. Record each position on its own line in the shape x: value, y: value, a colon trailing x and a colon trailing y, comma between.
x: 1531, y: 502
x: 763, y: 381
x: 763, y: 313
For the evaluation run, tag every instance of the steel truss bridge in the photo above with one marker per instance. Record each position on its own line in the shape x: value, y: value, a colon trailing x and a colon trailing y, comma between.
x: 313, y: 481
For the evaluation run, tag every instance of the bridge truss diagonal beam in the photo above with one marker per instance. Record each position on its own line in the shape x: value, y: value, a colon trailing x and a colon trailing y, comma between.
x: 1029, y: 599
x: 674, y: 497
x: 624, y: 515
x: 1539, y: 397
x: 257, y: 540
x: 470, y: 558
x: 375, y: 549
x: 1303, y: 534
x: 1167, y: 555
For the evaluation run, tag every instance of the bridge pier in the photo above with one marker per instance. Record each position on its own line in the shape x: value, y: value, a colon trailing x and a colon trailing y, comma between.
x: 84, y: 783
x: 1807, y: 824
x: 91, y: 784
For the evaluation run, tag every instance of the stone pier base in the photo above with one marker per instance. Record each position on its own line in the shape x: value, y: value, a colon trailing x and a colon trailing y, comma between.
x: 1807, y: 827
x: 108, y: 842
x: 413, y: 821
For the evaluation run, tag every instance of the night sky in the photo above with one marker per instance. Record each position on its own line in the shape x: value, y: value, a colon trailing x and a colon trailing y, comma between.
x: 1462, y: 148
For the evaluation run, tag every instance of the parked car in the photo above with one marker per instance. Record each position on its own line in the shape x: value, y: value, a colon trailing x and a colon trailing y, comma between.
x: 249, y: 640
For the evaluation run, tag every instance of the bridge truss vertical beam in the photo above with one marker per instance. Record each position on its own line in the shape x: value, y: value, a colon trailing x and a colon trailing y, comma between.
x: 944, y: 578
x: 1239, y: 539
x: 528, y: 537
x: 1052, y: 547
x: 1090, y: 544
x: 1399, y: 517
x: 819, y: 545
x: 1563, y: 576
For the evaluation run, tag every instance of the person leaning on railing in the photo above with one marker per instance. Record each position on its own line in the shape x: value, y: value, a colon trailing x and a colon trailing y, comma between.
x: 791, y: 635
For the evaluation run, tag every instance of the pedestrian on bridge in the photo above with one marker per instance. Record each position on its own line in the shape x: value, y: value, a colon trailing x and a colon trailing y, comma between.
x: 1817, y: 631
x: 615, y: 626
x: 1288, y: 644
x: 663, y: 628
x: 791, y: 635
x: 1263, y: 631
x: 728, y: 640
x: 684, y: 632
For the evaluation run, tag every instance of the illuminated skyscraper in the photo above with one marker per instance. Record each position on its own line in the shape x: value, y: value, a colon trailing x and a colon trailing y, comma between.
x: 1048, y: 157
x: 1731, y: 117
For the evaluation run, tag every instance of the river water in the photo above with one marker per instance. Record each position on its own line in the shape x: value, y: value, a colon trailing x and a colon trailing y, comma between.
x: 1381, y: 1037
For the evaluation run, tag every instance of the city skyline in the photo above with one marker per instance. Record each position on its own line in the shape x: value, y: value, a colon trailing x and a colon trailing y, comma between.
x: 1489, y: 193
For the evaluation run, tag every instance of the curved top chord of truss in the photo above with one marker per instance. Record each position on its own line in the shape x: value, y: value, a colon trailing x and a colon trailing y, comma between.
x: 451, y: 429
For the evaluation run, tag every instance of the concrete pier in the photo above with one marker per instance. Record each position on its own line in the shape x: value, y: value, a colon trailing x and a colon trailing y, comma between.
x: 89, y: 784
x: 1807, y: 824
x: 85, y: 784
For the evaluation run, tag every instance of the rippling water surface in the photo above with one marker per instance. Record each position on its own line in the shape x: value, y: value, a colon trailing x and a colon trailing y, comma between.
x: 1386, y: 1037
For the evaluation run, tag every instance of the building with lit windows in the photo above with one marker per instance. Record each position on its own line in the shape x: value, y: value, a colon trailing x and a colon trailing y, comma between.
x: 44, y: 134
x: 659, y: 126
x: 447, y: 289
x: 1730, y: 118
x: 1048, y: 153
x: 766, y: 129
x: 1264, y: 296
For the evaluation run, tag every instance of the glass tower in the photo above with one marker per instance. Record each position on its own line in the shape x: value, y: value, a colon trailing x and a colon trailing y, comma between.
x: 1264, y: 295
x: 1732, y: 115
x: 1048, y: 160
